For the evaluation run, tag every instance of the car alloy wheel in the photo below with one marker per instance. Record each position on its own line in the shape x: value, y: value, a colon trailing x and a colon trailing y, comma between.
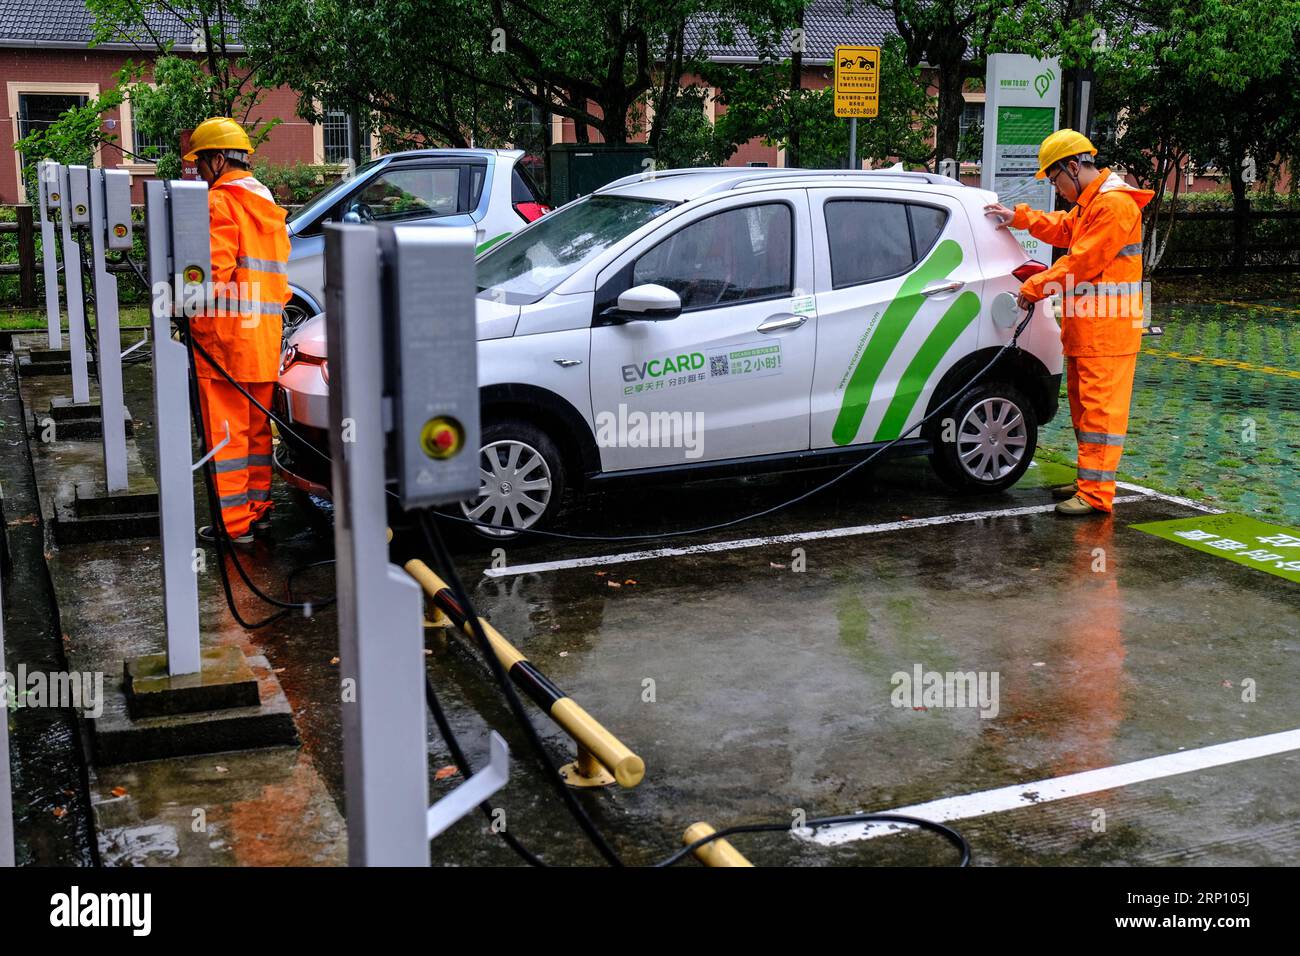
x: 992, y: 439
x: 515, y: 488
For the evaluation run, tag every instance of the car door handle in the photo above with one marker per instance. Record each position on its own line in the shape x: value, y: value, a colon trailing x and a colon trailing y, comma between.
x: 939, y: 288
x: 781, y: 322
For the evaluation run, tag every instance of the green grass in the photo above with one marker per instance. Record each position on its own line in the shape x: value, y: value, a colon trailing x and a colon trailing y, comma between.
x: 35, y: 318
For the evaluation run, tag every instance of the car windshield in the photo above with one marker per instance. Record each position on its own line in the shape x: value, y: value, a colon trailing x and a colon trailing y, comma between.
x: 327, y: 197
x: 530, y: 264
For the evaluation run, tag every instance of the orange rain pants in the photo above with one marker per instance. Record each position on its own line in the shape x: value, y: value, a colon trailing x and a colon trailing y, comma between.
x: 243, y: 467
x: 1099, y: 388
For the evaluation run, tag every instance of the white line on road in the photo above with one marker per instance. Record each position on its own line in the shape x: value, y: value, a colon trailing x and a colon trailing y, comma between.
x: 735, y: 545
x: 1024, y: 795
x: 1185, y: 502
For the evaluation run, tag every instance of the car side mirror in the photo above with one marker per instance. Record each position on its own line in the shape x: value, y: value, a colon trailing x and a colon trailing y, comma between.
x: 648, y: 302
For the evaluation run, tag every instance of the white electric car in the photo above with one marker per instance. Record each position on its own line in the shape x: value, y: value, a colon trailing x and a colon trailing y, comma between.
x: 695, y: 323
x: 488, y: 189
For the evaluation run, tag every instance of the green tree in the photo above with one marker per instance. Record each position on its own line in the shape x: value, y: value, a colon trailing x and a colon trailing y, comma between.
x: 589, y: 61
x: 1201, y: 83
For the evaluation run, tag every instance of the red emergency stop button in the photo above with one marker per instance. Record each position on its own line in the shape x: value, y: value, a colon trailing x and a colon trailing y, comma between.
x: 193, y: 275
x: 120, y: 231
x: 442, y: 437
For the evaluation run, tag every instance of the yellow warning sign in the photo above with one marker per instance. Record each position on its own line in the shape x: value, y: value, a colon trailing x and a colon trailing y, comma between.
x: 857, y: 81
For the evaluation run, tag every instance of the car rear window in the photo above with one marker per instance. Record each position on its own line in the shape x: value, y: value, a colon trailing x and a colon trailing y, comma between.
x: 874, y: 239
x: 519, y: 190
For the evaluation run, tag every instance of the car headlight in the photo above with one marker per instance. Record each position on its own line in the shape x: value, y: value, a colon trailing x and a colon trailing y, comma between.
x: 288, y: 357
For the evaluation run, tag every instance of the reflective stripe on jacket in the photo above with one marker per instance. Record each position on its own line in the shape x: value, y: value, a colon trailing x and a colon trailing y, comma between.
x: 250, y: 281
x: 1100, y: 279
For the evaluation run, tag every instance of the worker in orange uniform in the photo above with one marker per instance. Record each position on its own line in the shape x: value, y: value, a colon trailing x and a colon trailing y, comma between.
x: 1100, y: 284
x: 240, y: 328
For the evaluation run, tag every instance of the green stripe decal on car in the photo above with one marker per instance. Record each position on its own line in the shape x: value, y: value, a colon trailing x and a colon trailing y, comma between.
x: 484, y: 247
x: 898, y: 316
x: 954, y: 322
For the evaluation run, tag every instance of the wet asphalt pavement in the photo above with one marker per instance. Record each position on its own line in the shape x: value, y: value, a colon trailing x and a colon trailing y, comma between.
x: 756, y: 682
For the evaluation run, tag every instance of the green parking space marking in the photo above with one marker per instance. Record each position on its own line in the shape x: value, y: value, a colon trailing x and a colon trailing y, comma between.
x: 1240, y: 539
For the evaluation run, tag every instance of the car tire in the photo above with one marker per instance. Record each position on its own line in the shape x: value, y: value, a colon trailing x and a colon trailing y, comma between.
x: 986, y: 439
x: 296, y: 312
x: 529, y: 481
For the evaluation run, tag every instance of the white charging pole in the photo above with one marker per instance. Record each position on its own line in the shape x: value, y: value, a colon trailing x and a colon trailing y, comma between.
x: 75, y: 213
x: 110, y: 227
x: 176, y: 217
x: 47, y: 178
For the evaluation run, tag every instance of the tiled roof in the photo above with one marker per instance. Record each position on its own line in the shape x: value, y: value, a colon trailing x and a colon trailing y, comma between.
x: 69, y: 23
x: 826, y: 23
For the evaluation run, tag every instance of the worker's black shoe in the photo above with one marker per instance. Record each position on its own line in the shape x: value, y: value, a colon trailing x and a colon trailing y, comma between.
x: 262, y: 526
x: 207, y: 534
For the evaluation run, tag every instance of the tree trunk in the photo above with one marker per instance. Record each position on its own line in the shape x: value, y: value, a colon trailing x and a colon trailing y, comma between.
x: 580, y: 134
x: 951, y: 104
x: 1240, y: 216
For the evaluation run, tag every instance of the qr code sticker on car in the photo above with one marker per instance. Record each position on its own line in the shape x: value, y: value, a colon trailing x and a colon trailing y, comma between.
x: 719, y: 365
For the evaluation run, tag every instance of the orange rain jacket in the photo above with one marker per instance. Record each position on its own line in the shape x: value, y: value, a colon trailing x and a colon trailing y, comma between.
x: 250, y: 255
x: 1100, y: 280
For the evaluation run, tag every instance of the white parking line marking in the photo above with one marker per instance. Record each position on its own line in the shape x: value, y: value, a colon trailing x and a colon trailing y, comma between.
x: 1185, y: 502
x: 735, y: 545
x: 1023, y: 795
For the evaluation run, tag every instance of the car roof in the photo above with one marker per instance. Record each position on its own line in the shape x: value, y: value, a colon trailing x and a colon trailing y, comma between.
x: 471, y: 153
x: 682, y: 185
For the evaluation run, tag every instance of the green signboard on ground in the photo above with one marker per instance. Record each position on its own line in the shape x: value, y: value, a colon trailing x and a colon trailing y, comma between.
x: 1248, y: 541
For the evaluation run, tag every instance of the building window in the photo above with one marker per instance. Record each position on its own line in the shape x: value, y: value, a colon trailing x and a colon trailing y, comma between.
x: 335, y: 130
x: 148, y: 149
x: 38, y: 111
x: 971, y: 133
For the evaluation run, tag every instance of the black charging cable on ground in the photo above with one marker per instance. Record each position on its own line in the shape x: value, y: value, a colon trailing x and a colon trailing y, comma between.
x: 948, y: 833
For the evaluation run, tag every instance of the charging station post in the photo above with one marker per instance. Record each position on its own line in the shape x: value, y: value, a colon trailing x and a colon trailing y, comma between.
x: 47, y: 178
x: 110, y: 228
x: 176, y: 217
x: 74, y: 211
x: 419, y: 283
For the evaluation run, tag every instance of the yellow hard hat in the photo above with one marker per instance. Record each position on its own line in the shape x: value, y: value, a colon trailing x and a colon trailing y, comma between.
x: 219, y: 132
x: 1061, y: 145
